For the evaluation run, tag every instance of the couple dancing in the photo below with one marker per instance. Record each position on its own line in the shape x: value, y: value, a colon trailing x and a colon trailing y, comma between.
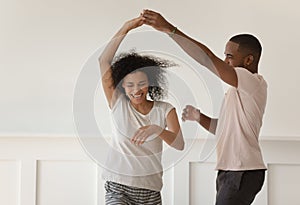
x: 134, y: 86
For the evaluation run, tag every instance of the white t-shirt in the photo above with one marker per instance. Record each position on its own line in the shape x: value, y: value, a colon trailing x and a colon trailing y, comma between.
x: 240, y: 122
x: 130, y: 164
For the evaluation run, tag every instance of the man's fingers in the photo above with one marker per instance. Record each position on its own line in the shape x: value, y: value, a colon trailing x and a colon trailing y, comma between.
x: 148, y: 16
x: 150, y: 12
x: 184, y: 115
x: 148, y: 22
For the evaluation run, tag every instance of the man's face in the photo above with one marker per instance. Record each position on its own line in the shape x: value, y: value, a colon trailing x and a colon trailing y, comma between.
x: 233, y: 56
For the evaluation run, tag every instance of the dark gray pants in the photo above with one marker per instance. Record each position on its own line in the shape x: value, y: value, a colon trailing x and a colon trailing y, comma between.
x: 238, y: 187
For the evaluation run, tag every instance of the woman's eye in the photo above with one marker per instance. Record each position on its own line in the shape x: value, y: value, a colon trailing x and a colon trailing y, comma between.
x: 142, y: 84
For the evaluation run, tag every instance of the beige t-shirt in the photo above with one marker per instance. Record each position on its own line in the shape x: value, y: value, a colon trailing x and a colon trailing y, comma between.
x: 135, y: 165
x: 240, y: 122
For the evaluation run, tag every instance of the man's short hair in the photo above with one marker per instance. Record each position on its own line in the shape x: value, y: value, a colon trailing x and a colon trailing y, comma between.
x: 248, y: 43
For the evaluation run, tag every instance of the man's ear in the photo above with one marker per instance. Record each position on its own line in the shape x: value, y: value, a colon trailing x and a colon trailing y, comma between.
x: 248, y: 60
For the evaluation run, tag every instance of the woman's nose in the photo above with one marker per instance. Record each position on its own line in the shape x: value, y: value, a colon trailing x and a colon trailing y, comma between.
x: 137, y: 88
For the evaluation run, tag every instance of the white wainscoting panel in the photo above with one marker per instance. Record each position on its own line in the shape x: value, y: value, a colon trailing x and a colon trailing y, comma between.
x: 9, y: 182
x: 57, y: 171
x: 284, y: 184
x: 66, y: 182
x: 168, y: 187
x: 202, y: 181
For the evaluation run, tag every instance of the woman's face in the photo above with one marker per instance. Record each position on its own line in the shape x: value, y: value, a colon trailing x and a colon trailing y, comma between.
x: 136, y: 86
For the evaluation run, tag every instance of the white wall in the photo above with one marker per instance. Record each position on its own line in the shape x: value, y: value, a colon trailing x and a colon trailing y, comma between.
x: 45, y: 43
x: 43, y: 47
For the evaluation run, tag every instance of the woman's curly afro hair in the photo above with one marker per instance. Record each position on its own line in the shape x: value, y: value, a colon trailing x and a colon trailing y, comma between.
x: 153, y: 67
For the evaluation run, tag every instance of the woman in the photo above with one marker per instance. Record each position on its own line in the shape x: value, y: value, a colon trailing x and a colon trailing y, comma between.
x: 133, y: 171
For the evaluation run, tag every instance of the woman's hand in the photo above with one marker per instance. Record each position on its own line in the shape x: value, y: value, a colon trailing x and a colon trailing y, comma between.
x: 144, y: 132
x: 191, y: 113
x: 134, y: 23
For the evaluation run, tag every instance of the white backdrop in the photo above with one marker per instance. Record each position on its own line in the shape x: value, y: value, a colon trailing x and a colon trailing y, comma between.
x: 43, y: 45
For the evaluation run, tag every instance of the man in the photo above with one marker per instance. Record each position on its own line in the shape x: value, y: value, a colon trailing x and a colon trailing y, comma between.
x: 241, y: 170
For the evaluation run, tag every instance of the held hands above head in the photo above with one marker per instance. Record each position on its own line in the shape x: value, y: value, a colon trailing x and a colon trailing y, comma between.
x: 191, y: 113
x: 157, y: 21
x: 151, y: 18
x: 197, y: 50
x: 134, y: 23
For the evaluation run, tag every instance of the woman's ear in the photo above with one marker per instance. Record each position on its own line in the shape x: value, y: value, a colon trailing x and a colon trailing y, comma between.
x: 248, y: 60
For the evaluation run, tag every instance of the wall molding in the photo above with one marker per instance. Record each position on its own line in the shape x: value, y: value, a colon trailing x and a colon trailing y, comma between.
x: 29, y: 162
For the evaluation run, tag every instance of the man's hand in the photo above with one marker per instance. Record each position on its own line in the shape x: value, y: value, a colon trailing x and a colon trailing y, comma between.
x: 157, y: 21
x: 191, y: 113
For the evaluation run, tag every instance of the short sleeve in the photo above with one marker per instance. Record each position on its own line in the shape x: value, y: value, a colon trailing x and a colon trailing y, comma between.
x: 121, y: 99
x: 168, y: 108
x: 247, y: 81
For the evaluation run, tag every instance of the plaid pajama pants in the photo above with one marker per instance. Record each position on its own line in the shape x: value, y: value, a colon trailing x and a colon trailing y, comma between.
x: 119, y: 194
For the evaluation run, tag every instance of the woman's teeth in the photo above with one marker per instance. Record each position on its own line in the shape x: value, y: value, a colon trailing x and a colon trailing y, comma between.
x: 137, y: 96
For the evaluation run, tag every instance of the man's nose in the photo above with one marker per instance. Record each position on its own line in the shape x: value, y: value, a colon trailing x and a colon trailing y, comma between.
x: 226, y: 60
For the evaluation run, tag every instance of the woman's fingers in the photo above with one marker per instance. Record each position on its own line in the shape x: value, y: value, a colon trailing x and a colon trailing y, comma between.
x: 139, y: 137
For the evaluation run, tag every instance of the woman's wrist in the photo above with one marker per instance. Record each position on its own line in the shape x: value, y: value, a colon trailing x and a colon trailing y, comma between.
x: 127, y: 26
x: 157, y: 129
x: 125, y: 29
